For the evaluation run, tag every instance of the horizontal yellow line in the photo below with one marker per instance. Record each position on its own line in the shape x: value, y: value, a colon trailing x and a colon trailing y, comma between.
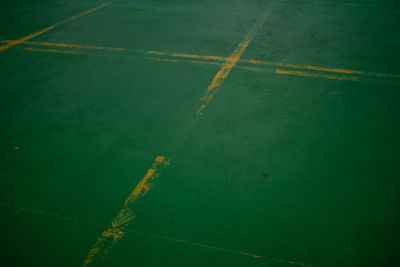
x: 215, y: 58
x: 158, y: 53
x: 77, y: 46
x: 309, y: 67
x: 203, y: 63
x: 185, y: 61
x: 309, y: 74
x: 50, y: 50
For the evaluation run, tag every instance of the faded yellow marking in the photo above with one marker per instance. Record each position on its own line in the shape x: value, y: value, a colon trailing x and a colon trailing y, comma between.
x: 309, y: 74
x: 252, y: 61
x: 248, y: 68
x: 50, y: 50
x: 203, y: 63
x: 91, y: 10
x: 193, y: 56
x: 185, y: 61
x: 230, y: 62
x: 115, y: 232
x: 159, y: 53
x: 197, y: 56
x: 75, y: 46
x: 309, y: 67
x: 30, y: 36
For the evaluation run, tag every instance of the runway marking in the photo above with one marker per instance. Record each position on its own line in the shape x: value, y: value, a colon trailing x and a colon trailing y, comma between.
x: 309, y: 74
x: 230, y: 62
x: 212, y: 59
x: 33, y: 35
x: 115, y: 232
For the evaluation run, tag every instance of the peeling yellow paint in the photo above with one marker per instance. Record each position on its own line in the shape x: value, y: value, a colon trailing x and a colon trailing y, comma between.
x: 113, y: 234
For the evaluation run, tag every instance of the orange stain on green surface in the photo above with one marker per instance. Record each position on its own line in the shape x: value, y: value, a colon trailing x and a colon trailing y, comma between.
x: 115, y: 232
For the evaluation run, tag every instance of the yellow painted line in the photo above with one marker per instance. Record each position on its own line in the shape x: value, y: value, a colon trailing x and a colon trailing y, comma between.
x: 33, y: 35
x: 230, y: 62
x: 309, y: 67
x: 115, y: 232
x: 203, y: 63
x: 185, y: 61
x: 91, y: 10
x: 158, y: 53
x: 216, y: 58
x: 309, y: 74
x: 195, y: 61
x: 50, y: 50
x: 75, y: 46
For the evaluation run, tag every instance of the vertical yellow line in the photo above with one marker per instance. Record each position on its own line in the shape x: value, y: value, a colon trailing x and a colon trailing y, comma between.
x: 33, y: 35
x: 114, y: 233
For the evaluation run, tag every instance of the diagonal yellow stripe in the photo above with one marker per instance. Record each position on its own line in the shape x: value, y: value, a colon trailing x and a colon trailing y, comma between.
x: 230, y: 62
x: 33, y: 35
x: 115, y: 232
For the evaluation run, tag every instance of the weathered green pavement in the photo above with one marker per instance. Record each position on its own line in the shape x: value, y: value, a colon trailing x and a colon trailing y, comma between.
x: 287, y: 165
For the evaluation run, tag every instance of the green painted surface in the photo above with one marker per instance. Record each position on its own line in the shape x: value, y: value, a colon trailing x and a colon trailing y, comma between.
x: 302, y: 169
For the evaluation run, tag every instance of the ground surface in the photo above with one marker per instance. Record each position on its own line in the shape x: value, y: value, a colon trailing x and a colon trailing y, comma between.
x: 294, y: 161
